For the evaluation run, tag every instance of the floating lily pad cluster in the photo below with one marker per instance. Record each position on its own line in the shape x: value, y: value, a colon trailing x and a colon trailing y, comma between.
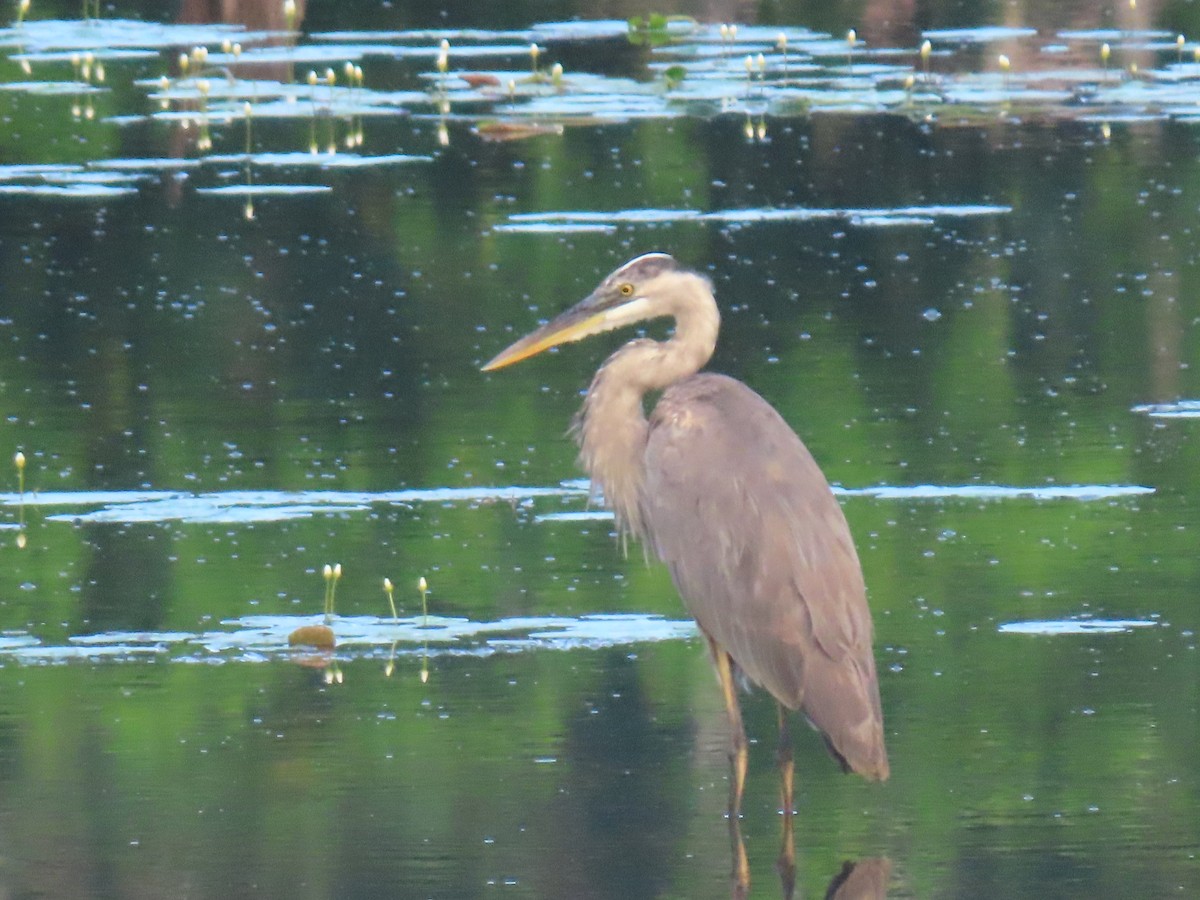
x: 507, y: 85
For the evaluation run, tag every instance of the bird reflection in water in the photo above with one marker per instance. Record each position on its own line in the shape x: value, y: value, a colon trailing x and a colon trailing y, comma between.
x: 785, y: 864
x: 866, y: 879
x: 722, y: 490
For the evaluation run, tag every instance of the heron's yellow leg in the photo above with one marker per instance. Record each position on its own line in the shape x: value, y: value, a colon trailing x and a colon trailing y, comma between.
x: 738, y: 758
x: 740, y: 877
x: 738, y: 753
x: 786, y: 864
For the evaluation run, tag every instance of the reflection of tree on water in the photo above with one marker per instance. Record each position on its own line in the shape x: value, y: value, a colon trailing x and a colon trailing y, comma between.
x: 619, y: 817
x: 127, y: 578
x: 255, y: 15
x: 128, y: 581
x: 277, y: 19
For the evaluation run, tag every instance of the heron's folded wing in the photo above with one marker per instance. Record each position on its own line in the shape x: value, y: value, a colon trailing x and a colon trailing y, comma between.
x: 758, y: 548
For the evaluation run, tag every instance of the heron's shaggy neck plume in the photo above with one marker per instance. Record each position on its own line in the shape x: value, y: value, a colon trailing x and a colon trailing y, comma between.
x: 611, y: 429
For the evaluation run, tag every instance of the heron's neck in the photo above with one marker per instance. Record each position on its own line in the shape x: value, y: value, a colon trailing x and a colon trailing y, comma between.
x: 612, y: 429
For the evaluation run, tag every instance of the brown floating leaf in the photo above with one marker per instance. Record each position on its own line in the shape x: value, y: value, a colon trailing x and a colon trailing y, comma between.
x: 480, y: 79
x: 319, y: 636
x: 514, y: 131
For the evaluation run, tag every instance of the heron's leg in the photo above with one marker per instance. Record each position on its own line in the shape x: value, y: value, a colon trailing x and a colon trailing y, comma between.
x: 738, y: 753
x: 738, y: 757
x: 786, y: 864
x: 740, y: 876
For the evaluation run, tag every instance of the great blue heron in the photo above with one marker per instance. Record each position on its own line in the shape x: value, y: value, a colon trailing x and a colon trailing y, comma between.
x: 727, y: 495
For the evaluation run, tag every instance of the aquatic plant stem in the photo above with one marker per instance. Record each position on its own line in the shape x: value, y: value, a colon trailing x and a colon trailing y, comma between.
x: 423, y: 587
x: 327, y: 574
x: 387, y: 589
x: 19, y: 462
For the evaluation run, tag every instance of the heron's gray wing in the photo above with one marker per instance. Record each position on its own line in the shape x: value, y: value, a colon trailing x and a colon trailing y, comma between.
x: 759, y: 550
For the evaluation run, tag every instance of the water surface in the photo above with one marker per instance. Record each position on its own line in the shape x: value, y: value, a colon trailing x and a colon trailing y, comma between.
x: 244, y: 308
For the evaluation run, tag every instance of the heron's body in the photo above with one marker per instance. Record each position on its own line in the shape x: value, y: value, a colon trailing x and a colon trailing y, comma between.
x: 726, y: 494
x: 751, y: 588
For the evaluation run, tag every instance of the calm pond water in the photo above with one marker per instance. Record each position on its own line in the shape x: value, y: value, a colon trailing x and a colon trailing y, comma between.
x: 244, y: 308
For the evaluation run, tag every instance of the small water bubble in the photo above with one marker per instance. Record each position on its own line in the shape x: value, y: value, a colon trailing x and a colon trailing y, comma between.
x: 931, y: 315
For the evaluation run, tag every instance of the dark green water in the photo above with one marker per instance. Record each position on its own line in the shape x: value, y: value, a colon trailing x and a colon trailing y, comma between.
x: 966, y: 296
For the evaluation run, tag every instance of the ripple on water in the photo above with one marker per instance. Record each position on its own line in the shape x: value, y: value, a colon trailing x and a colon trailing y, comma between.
x: 141, y: 507
x: 233, y: 507
x: 264, y: 638
x: 1180, y: 409
x: 66, y: 35
x: 984, y: 34
x: 81, y: 190
x: 568, y: 220
x: 266, y: 190
x: 1075, y: 626
x: 1081, y: 492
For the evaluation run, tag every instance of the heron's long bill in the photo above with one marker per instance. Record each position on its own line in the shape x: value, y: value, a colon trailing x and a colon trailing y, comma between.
x: 592, y: 315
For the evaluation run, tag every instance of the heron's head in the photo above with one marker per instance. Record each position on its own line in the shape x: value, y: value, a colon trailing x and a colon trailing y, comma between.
x: 643, y: 288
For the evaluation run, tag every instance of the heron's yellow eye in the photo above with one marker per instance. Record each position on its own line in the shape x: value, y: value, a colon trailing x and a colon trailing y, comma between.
x: 626, y: 290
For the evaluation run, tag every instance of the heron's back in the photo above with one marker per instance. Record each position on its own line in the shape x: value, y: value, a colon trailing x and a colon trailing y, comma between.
x: 758, y: 547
